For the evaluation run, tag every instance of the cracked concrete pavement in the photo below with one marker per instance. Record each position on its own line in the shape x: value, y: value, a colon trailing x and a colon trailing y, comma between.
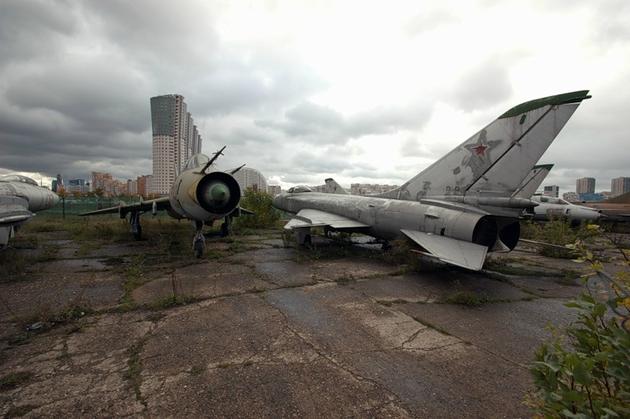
x: 268, y: 331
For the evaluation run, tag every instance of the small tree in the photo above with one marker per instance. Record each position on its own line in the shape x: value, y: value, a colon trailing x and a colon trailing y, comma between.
x: 585, y: 370
x: 264, y: 216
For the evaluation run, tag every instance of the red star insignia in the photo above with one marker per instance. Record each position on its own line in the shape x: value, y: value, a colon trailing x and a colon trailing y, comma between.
x: 480, y: 150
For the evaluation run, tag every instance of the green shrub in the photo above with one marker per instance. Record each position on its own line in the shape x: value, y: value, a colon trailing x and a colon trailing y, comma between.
x: 585, y: 370
x: 265, y: 216
x: 557, y: 232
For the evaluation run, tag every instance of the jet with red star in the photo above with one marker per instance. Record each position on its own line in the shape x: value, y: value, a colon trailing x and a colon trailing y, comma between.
x: 464, y: 205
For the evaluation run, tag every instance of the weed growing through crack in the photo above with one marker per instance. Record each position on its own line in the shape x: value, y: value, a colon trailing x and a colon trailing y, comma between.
x: 467, y: 298
x: 14, y: 380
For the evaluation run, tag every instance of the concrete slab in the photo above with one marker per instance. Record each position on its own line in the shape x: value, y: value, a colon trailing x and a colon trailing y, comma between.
x: 50, y: 293
x: 199, y: 281
x: 512, y: 331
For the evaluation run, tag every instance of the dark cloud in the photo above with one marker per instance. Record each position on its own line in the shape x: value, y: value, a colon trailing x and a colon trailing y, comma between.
x: 327, y: 126
x: 76, y: 78
x: 33, y: 28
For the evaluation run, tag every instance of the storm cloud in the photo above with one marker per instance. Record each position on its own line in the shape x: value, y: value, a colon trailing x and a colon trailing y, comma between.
x: 302, y: 91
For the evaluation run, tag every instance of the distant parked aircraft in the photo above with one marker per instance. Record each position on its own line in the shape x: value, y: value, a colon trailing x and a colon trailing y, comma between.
x: 463, y: 205
x: 548, y: 207
x: 20, y: 198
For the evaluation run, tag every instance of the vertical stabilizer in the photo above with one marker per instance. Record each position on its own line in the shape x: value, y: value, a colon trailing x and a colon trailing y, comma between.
x: 495, y: 160
x: 532, y: 182
x: 333, y: 187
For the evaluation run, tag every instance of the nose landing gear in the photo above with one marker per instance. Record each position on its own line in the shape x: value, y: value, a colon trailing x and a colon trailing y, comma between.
x: 199, y: 241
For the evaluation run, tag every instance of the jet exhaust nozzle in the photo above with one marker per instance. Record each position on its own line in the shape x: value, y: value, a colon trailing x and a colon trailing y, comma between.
x: 218, y: 193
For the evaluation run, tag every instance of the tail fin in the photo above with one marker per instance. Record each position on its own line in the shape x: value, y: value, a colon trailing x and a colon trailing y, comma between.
x: 334, y: 187
x: 532, y: 181
x: 496, y: 160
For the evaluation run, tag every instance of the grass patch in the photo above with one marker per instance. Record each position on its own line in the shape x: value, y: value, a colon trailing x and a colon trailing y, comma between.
x: 346, y: 279
x: 466, y: 298
x: 171, y: 301
x: 134, y: 274
x: 19, y: 411
x: 134, y: 369
x: 197, y: 370
x: 12, y: 265
x: 14, y: 380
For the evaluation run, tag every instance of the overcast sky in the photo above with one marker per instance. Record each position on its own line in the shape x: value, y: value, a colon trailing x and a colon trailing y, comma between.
x: 361, y: 91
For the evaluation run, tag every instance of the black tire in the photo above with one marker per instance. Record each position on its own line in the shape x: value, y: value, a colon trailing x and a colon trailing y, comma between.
x: 225, y: 229
x: 308, y: 242
x: 138, y: 233
x: 198, y: 249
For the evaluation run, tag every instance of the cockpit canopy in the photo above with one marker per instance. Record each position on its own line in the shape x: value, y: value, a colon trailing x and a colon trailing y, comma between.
x: 299, y: 189
x: 196, y: 161
x: 17, y: 178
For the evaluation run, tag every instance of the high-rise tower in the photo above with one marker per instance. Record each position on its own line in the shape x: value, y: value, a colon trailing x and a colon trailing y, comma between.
x: 175, y: 139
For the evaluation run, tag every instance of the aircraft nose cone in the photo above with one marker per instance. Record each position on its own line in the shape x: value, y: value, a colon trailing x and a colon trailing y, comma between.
x: 217, y: 193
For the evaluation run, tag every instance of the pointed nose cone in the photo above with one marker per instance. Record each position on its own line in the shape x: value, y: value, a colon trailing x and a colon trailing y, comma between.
x: 217, y: 194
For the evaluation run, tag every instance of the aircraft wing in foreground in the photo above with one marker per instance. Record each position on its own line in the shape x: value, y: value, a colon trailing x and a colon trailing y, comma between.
x: 20, y: 198
x: 461, y: 207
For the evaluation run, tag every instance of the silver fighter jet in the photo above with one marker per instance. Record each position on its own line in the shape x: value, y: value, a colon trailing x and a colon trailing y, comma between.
x: 20, y: 198
x: 459, y: 208
x: 200, y: 194
x: 549, y: 207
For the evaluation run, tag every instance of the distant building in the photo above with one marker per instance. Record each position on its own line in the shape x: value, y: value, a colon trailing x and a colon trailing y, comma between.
x: 102, y: 182
x: 585, y: 185
x: 570, y: 196
x: 77, y: 185
x: 249, y: 178
x: 619, y: 186
x: 175, y: 140
x: 274, y: 190
x: 143, y: 184
x: 57, y: 184
x: 591, y: 197
x: 369, y: 188
x: 132, y: 187
x: 551, y: 190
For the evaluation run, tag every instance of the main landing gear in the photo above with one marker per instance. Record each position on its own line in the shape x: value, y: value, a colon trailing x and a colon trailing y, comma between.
x: 199, y: 241
x: 136, y: 228
x: 303, y: 236
x: 226, y: 227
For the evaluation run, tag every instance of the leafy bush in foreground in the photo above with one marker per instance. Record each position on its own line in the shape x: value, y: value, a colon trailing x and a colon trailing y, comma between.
x: 585, y: 372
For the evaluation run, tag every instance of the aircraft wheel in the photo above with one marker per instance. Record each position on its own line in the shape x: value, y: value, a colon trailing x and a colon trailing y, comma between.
x: 198, y: 248
x: 225, y: 229
x: 386, y: 246
x: 138, y: 233
x: 308, y: 242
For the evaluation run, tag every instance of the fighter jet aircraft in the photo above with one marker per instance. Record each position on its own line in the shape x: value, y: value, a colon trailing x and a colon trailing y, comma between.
x: 20, y: 198
x: 200, y: 194
x: 459, y: 208
x: 548, y: 207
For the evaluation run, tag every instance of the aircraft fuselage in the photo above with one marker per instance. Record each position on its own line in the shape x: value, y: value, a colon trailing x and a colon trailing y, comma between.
x: 387, y: 217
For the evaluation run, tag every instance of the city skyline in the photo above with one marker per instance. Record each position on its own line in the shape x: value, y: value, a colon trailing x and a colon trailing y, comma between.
x: 75, y: 82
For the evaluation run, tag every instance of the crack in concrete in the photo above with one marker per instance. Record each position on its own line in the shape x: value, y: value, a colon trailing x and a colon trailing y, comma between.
x: 390, y: 394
